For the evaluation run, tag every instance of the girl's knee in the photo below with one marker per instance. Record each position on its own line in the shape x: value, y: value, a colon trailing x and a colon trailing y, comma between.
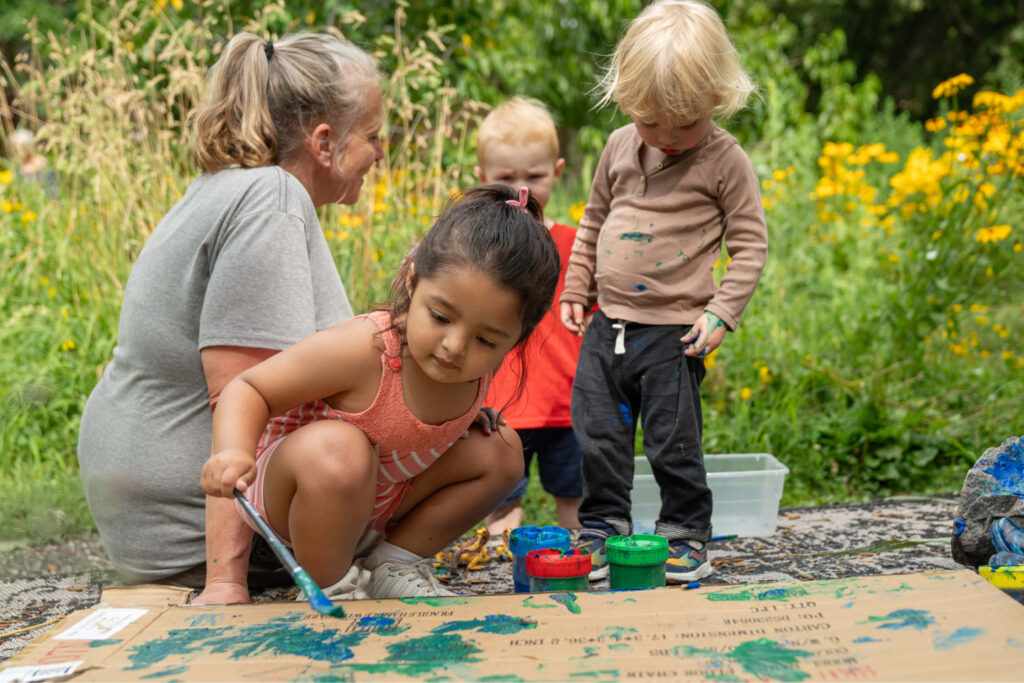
x: 505, y: 457
x: 335, y: 455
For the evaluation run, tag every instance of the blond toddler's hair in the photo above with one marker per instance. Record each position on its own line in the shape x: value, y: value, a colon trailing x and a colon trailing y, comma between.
x: 676, y: 59
x: 515, y: 121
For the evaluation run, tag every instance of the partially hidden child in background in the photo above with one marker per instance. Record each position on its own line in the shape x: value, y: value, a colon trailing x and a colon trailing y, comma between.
x: 517, y: 145
x: 669, y: 189
x: 354, y: 433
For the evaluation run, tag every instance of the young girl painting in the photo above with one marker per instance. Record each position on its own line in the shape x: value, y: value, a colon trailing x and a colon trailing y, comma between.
x: 363, y: 430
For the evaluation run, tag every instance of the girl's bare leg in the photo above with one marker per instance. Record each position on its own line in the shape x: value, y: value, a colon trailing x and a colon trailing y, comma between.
x: 319, y: 491
x: 466, y: 483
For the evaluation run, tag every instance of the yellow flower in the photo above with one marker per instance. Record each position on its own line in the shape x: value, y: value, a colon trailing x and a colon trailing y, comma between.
x: 711, y: 359
x: 64, y: 312
x: 310, y: 17
x: 467, y: 41
x: 51, y: 292
x: 765, y: 373
x: 6, y: 206
x: 779, y: 174
x: 379, y: 206
x: 328, y: 235
x: 952, y: 86
x: 745, y: 393
x: 995, y: 233
x: 957, y: 308
x: 1007, y: 355
x: 342, y: 235
x: 959, y: 349
x: 978, y: 308
x: 6, y: 177
x: 576, y: 211
x: 68, y: 345
x: 177, y: 4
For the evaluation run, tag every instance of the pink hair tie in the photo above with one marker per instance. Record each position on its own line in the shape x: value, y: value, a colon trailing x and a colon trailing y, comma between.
x: 524, y: 194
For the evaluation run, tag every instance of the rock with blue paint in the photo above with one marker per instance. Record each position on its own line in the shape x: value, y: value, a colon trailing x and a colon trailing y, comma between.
x: 993, y: 489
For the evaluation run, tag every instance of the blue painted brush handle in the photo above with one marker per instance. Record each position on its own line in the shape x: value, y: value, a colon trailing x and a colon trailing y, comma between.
x: 279, y: 548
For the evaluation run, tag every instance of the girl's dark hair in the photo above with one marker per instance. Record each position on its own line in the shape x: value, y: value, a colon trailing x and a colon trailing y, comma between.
x: 480, y: 230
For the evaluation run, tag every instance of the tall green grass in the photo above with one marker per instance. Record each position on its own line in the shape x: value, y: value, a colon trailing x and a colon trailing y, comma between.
x: 866, y: 363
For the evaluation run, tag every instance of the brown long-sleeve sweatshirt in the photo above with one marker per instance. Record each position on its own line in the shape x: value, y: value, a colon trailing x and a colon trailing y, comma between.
x: 650, y: 242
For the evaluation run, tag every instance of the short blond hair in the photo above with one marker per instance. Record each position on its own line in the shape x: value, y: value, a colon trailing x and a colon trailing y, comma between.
x: 515, y: 121
x: 265, y: 98
x: 676, y: 59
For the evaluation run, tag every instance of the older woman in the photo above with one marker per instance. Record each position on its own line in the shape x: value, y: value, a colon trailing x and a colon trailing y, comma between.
x: 237, y: 270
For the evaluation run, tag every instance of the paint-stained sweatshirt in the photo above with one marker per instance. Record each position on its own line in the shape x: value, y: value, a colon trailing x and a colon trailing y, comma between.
x: 650, y: 241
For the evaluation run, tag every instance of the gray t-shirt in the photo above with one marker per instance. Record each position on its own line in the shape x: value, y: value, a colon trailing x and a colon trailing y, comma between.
x: 240, y: 260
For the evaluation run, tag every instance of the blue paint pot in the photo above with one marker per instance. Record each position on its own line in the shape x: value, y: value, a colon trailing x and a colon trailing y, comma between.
x: 526, y: 538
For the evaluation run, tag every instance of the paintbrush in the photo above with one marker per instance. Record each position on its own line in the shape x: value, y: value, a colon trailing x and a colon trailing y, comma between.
x: 317, y: 600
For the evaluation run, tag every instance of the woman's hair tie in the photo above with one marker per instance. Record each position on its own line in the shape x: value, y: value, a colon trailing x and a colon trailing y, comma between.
x: 524, y: 194
x: 268, y: 47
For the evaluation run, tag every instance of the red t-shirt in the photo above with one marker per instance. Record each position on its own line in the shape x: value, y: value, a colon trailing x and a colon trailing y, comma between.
x: 550, y: 356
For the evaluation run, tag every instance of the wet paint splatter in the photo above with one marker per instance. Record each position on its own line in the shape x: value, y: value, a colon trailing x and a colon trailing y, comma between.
x: 612, y: 674
x: 866, y: 639
x: 528, y: 602
x: 434, y: 602
x: 627, y: 415
x: 781, y: 594
x: 964, y: 634
x: 420, y: 657
x: 904, y: 618
x: 640, y: 288
x: 762, y: 658
x: 284, y: 635
x: 492, y: 623
x: 1008, y: 468
x: 618, y: 632
x: 375, y: 622
x: 567, y: 599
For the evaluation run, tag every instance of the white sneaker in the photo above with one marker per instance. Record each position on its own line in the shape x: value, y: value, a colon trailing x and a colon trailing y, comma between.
x: 349, y: 587
x: 414, y: 580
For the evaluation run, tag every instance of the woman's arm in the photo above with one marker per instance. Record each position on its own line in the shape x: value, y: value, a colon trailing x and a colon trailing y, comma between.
x: 228, y: 538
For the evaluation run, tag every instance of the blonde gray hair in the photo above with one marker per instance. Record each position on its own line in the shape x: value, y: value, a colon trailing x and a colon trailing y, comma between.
x: 676, y: 59
x: 264, y: 101
x: 517, y: 120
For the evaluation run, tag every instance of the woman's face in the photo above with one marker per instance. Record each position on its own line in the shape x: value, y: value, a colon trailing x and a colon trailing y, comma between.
x: 362, y: 150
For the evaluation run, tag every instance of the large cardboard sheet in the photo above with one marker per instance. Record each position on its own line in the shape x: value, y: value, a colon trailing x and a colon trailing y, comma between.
x: 943, y: 626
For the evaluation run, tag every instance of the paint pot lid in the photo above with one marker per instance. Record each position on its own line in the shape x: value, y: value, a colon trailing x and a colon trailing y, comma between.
x: 526, y: 538
x: 550, y: 563
x: 637, y: 550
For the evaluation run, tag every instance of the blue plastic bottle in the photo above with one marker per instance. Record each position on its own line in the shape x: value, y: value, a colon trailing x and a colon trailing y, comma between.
x: 526, y: 538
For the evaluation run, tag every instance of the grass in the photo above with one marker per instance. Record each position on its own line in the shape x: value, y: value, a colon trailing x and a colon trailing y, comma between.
x: 879, y: 355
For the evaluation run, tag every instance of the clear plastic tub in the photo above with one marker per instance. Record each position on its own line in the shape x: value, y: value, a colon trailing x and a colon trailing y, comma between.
x: 746, y: 487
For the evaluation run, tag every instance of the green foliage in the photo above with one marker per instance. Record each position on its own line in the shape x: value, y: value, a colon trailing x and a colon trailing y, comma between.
x: 845, y: 366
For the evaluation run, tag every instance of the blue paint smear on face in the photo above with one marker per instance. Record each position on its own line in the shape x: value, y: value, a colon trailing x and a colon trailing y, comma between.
x: 627, y: 417
x: 1008, y: 468
x: 964, y: 634
x: 640, y: 288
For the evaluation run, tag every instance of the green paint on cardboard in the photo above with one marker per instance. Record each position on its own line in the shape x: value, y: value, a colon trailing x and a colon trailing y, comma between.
x: 285, y: 635
x: 904, y: 618
x: 750, y: 594
x: 419, y: 657
x: 103, y: 643
x: 618, y: 632
x: 619, y: 646
x: 502, y: 677
x: 528, y: 602
x: 434, y: 602
x: 762, y: 658
x: 725, y: 678
x: 567, y: 599
x: 492, y: 623
x: 612, y: 674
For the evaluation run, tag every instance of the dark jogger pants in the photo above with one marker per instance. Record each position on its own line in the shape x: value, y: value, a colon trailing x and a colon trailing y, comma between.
x: 656, y: 381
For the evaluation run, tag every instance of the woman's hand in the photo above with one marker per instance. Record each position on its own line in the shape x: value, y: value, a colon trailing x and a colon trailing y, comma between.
x: 227, y: 470
x: 489, y: 420
x: 705, y: 336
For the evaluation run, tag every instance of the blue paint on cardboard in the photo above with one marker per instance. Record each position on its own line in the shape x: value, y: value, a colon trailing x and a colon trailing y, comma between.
x: 964, y: 634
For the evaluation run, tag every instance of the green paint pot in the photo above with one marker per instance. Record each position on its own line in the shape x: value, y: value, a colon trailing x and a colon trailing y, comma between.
x: 636, y: 561
x: 558, y: 570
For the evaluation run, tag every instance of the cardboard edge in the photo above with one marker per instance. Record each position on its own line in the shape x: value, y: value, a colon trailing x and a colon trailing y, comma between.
x: 145, y: 595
